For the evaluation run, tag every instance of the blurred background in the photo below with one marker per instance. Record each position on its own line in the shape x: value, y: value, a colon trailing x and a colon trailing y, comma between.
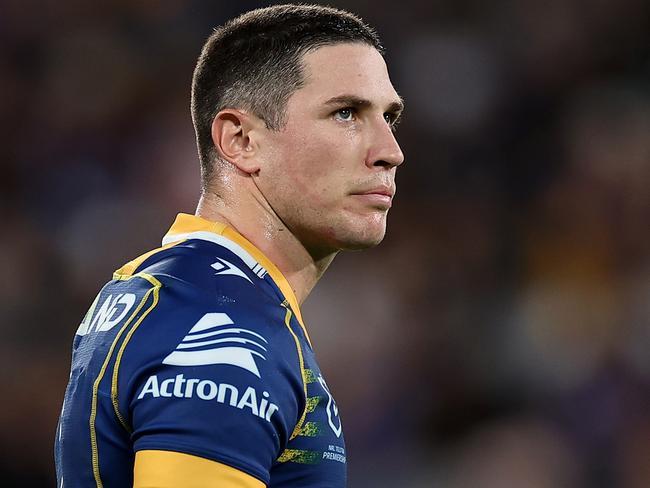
x: 500, y: 335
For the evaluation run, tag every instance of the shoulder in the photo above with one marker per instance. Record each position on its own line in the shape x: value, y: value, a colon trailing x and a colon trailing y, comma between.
x: 214, y: 345
x: 208, y: 309
x: 197, y: 263
x: 198, y: 275
x: 190, y: 333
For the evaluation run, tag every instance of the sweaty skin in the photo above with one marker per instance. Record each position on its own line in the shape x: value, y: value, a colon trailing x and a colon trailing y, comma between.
x: 321, y: 184
x: 316, y: 185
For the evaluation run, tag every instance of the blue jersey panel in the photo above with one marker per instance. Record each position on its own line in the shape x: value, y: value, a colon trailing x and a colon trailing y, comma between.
x: 218, y: 382
x: 197, y: 352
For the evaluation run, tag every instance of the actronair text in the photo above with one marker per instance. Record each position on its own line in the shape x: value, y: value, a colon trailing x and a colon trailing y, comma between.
x: 208, y: 390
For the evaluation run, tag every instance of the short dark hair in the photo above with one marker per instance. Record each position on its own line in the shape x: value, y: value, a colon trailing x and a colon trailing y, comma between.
x: 254, y: 62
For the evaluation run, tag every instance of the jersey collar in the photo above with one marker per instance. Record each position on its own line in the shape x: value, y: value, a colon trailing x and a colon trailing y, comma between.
x: 188, y: 226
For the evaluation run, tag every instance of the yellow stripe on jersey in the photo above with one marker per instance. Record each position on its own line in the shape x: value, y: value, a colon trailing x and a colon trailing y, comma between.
x: 168, y: 469
x: 93, y: 406
x: 127, y: 270
x: 116, y: 368
x: 185, y: 224
x: 303, y: 371
x: 275, y: 273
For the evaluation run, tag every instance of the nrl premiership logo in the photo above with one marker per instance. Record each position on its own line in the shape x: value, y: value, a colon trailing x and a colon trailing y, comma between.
x: 332, y: 410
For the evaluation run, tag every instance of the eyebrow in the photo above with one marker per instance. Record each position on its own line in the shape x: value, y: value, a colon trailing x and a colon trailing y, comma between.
x: 395, y: 107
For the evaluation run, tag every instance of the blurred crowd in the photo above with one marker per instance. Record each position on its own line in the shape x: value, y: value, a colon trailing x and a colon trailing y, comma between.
x: 500, y: 335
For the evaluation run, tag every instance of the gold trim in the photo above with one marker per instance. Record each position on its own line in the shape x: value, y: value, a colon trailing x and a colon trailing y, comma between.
x: 301, y: 360
x: 127, y: 270
x: 186, y: 223
x: 102, y: 371
x: 114, y: 400
x: 171, y: 469
x: 273, y: 270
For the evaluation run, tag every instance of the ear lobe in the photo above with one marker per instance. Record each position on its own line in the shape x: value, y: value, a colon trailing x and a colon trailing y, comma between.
x: 231, y: 135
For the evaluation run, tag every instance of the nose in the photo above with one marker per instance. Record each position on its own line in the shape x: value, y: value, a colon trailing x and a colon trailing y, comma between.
x: 384, y: 151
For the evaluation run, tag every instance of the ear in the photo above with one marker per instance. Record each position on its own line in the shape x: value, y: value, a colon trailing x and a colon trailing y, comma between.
x: 233, y: 134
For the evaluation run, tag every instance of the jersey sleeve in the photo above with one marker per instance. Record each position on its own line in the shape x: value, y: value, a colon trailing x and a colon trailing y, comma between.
x: 166, y: 469
x: 217, y: 378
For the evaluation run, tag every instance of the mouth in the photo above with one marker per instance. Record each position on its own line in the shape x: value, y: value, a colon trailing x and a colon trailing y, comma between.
x: 380, y: 196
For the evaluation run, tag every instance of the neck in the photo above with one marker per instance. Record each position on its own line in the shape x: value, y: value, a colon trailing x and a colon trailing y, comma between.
x: 261, y: 226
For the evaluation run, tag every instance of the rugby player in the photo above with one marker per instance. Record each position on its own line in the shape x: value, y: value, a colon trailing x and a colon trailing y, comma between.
x: 193, y: 367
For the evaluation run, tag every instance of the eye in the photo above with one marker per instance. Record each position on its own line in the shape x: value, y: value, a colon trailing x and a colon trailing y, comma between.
x: 392, y: 119
x: 345, y: 114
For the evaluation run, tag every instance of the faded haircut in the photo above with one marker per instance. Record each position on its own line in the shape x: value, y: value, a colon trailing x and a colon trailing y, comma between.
x: 254, y: 63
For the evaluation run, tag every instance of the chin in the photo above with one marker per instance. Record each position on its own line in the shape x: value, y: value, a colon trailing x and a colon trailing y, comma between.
x: 362, y: 237
x: 360, y: 245
x: 344, y: 234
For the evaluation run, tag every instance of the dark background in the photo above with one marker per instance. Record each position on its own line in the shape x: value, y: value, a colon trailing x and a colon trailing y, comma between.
x: 500, y: 335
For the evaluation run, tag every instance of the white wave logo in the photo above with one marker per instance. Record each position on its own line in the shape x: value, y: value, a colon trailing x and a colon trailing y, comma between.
x: 237, y: 351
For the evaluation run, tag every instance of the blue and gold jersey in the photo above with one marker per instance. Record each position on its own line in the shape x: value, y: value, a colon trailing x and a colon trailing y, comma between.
x: 199, y: 348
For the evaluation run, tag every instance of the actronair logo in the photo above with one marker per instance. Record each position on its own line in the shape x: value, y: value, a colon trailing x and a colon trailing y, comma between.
x: 213, y: 340
x: 208, y: 390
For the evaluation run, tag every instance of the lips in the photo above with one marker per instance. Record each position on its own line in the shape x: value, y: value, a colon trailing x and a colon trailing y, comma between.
x: 379, y: 190
x: 380, y: 196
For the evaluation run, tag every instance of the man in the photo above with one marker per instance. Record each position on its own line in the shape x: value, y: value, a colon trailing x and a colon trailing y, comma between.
x: 193, y: 367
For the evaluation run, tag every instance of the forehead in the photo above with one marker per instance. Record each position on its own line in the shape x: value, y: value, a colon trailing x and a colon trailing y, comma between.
x: 350, y: 68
